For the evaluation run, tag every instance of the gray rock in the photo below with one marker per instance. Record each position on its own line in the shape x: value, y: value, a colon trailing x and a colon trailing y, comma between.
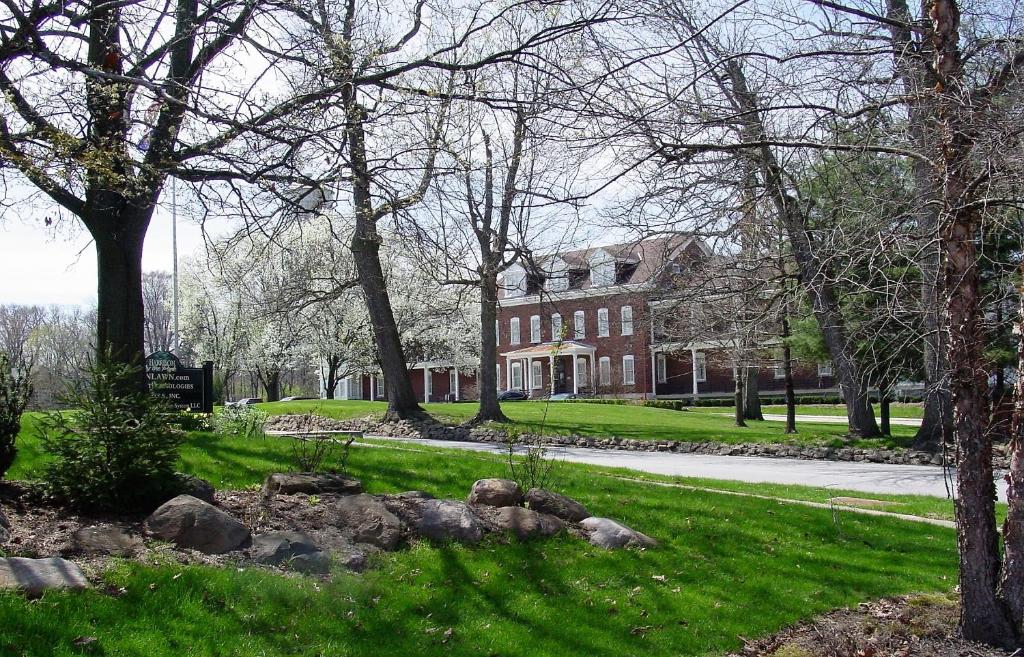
x: 496, y: 492
x: 288, y: 483
x: 189, y: 522
x: 525, y: 523
x: 609, y: 534
x: 414, y: 494
x: 197, y: 487
x: 557, y: 505
x: 440, y: 520
x: 298, y: 551
x: 369, y: 521
x: 34, y: 576
x: 106, y: 539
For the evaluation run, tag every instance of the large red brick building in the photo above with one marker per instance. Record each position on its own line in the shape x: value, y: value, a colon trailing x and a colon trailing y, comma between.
x: 587, y: 321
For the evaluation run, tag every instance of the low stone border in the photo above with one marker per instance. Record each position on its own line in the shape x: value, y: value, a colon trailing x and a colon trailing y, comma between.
x: 437, y: 431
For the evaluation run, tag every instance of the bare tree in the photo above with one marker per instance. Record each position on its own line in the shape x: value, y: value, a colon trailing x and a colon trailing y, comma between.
x: 157, y: 301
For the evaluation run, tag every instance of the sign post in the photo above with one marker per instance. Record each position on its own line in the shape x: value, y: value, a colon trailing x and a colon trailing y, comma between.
x: 184, y: 388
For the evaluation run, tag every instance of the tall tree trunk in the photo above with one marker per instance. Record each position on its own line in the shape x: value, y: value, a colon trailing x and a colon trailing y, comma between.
x: 271, y: 381
x: 738, y: 397
x: 1011, y: 584
x: 365, y: 247
x: 884, y: 398
x: 331, y: 381
x: 487, y: 383
x: 752, y: 396
x: 120, y: 315
x: 787, y: 364
x: 813, y: 273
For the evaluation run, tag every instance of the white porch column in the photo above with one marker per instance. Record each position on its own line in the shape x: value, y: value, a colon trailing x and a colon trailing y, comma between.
x: 456, y: 391
x: 552, y: 367
x: 508, y: 372
x: 654, y: 373
x: 593, y: 372
x: 693, y: 360
x: 529, y: 367
x: 426, y: 384
x: 575, y: 374
x: 373, y: 387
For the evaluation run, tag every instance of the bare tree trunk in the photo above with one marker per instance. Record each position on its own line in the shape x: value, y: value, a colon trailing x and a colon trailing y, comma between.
x: 738, y: 398
x: 1011, y: 583
x: 487, y: 383
x: 751, y: 396
x: 365, y: 247
x: 787, y: 364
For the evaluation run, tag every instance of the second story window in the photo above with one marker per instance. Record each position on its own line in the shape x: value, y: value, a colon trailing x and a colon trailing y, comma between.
x: 602, y: 322
x: 627, y: 320
x: 579, y: 324
x: 556, y: 328
x: 513, y: 330
x: 535, y: 329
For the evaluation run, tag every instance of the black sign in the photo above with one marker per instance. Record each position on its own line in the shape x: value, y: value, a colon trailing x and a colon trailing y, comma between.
x: 184, y: 388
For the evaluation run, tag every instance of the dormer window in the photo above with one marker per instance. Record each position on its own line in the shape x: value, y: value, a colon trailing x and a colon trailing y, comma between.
x: 514, y: 282
x: 624, y: 271
x: 576, y: 278
x: 534, y: 284
x: 602, y: 274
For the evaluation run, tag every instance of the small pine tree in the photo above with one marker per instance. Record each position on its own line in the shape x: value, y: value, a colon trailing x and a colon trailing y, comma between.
x: 15, y: 391
x: 118, y: 450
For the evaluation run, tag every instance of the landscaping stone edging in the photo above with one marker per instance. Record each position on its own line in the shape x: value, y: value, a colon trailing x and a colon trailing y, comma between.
x: 437, y: 431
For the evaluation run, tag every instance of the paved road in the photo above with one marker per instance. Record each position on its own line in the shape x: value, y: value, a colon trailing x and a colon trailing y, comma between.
x: 840, y: 475
x: 834, y: 419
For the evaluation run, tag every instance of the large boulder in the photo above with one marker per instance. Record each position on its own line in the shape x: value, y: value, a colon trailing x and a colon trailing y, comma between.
x: 34, y: 576
x: 560, y: 506
x: 196, y: 487
x: 189, y: 522
x: 311, y: 483
x: 294, y: 549
x: 106, y: 539
x: 439, y: 520
x: 524, y: 523
x: 496, y: 492
x: 606, y: 533
x: 368, y: 521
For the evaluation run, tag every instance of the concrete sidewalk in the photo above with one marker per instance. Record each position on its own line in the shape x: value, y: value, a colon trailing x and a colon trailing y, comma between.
x: 839, y: 475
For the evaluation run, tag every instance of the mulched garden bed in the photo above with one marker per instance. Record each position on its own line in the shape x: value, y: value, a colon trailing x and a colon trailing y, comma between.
x: 906, y: 626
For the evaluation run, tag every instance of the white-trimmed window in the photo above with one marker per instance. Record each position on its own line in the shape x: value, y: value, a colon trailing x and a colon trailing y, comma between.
x: 579, y: 324
x: 627, y: 320
x: 604, y: 370
x: 517, y: 375
x: 513, y: 330
x: 602, y: 322
x: 581, y: 373
x: 453, y: 381
x: 700, y: 366
x: 825, y: 369
x: 535, y: 329
x: 661, y: 368
x: 537, y: 374
x: 628, y: 371
x: 556, y: 327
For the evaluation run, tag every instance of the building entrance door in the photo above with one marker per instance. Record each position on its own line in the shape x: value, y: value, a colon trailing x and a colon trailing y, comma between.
x: 560, y: 375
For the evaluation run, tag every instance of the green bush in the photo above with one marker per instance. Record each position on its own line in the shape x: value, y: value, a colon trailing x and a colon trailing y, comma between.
x: 118, y: 451
x: 190, y: 421
x: 14, y: 395
x: 240, y: 421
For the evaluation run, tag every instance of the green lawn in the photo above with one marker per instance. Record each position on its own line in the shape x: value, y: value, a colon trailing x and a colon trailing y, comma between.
x: 728, y: 567
x: 895, y: 410
x: 636, y: 422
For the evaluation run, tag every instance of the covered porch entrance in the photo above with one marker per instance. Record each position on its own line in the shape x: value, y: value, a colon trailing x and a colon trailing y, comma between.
x: 552, y: 368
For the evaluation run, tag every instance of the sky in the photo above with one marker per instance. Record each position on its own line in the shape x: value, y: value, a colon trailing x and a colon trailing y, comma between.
x: 40, y: 267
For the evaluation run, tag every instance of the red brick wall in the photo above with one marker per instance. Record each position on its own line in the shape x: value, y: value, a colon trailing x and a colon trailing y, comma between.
x: 615, y: 346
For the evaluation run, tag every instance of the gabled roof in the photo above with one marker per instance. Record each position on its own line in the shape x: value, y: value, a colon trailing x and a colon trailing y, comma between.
x: 650, y: 256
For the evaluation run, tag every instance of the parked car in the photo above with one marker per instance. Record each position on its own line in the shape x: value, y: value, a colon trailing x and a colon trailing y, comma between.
x: 513, y: 395
x: 244, y: 401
